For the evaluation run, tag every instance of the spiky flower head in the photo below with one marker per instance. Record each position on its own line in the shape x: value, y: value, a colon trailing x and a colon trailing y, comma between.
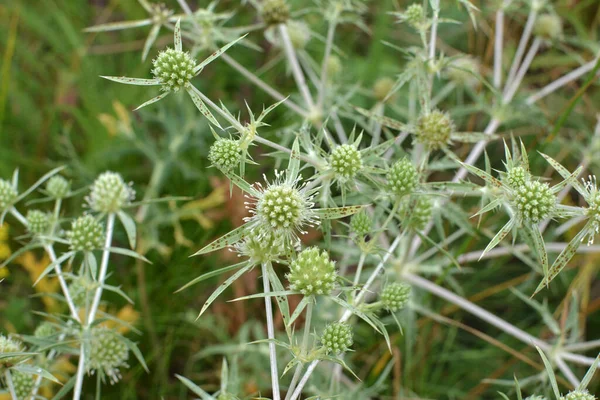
x: 337, y: 337
x: 110, y: 193
x: 516, y: 176
x: 274, y: 12
x: 580, y: 395
x: 395, y: 296
x: 534, y: 201
x: 536, y: 397
x: 312, y: 273
x: 414, y: 15
x: 262, y: 245
x: 593, y: 210
x: 44, y: 330
x: 334, y: 66
x: 402, y: 177
x: 284, y: 207
x: 383, y: 87
x: 463, y: 71
x: 23, y: 384
x: 225, y: 154
x: 86, y: 234
x: 419, y: 212
x: 108, y: 353
x: 434, y: 129
x: 38, y: 222
x: 10, y: 345
x: 346, y: 161
x: 8, y: 194
x: 548, y: 26
x: 361, y: 223
x: 58, y: 187
x: 174, y: 69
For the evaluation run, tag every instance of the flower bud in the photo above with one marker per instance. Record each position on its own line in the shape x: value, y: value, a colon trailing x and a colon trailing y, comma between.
x: 44, y: 330
x: 548, y: 26
x: 337, y: 338
x: 58, y: 187
x: 110, y: 193
x: 402, y: 178
x: 174, y: 69
x: 108, y: 352
x: 414, y: 15
x: 86, y: 234
x: 9, y: 345
x: 23, y: 384
x: 395, y: 296
x: 361, y: 223
x: 312, y: 273
x: 383, y: 87
x: 534, y: 201
x: 346, y: 161
x: 580, y: 395
x: 433, y: 129
x: 38, y: 222
x: 274, y: 12
x: 516, y: 176
x: 225, y: 154
x: 8, y: 194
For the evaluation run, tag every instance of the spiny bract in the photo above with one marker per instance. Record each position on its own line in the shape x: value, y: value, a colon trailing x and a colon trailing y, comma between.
x: 225, y: 154
x: 395, y: 296
x: 174, y: 69
x: 86, y: 234
x: 312, y: 273
x: 8, y: 194
x: 346, y: 161
x: 37, y: 222
x: 58, y: 187
x: 110, y: 193
x: 534, y: 201
x: 108, y: 353
x: 337, y: 338
x: 274, y: 12
x: 434, y: 129
x: 402, y: 177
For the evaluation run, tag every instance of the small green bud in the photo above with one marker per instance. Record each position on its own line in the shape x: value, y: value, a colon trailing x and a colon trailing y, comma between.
x: 86, y: 234
x: 274, y: 12
x: 433, y: 129
x: 346, y: 161
x: 534, y: 201
x: 8, y: 194
x: 44, y: 330
x: 110, y: 193
x: 383, y: 87
x: 108, y: 352
x: 23, y: 384
x: 38, y: 222
x: 9, y: 345
x: 174, y: 69
x: 402, y: 178
x: 414, y: 15
x: 395, y: 296
x: 225, y: 154
x: 517, y: 176
x: 361, y: 223
x: 58, y: 187
x: 337, y: 338
x: 580, y: 395
x: 312, y: 273
x: 548, y: 26
x: 334, y: 66
x: 420, y: 213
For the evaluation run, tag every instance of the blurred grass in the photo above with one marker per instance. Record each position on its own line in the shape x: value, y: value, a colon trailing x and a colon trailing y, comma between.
x: 50, y: 101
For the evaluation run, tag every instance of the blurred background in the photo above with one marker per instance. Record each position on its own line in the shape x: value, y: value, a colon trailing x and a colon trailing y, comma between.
x: 55, y: 110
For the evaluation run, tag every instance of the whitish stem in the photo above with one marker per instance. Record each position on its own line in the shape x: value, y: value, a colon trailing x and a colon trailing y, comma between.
x: 339, y: 128
x: 584, y: 346
x: 328, y: 46
x: 110, y: 224
x: 562, y: 81
x: 80, y: 372
x: 478, y: 255
x: 304, y: 379
x: 434, y: 26
x: 271, y: 334
x: 10, y: 384
x: 522, y: 45
x: 296, y: 70
x: 512, y: 87
x: 305, y: 348
x: 498, y: 47
x: 294, y: 382
x: 567, y: 372
x: 264, y: 86
x: 359, y: 268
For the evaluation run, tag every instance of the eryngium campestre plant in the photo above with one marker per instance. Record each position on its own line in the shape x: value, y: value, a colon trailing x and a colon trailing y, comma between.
x: 174, y: 69
x: 346, y: 161
x: 434, y: 129
x: 225, y: 154
x: 38, y: 222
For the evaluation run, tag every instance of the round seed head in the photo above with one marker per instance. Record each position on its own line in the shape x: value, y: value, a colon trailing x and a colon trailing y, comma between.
x: 548, y: 26
x: 337, y: 338
x: 312, y: 273
x: 225, y: 154
x: 346, y: 161
x: 281, y: 206
x: 38, y: 222
x: 10, y: 345
x: 174, y: 69
x: 580, y: 395
x: 361, y: 223
x: 420, y: 213
x: 86, y: 234
x: 383, y: 87
x: 402, y: 177
x: 108, y: 353
x: 334, y: 66
x: 23, y: 384
x: 414, y: 14
x: 110, y: 193
x: 534, y: 201
x: 58, y: 187
x: 516, y: 176
x: 463, y: 71
x: 433, y: 129
x: 274, y: 12
x: 8, y: 194
x: 395, y: 296
x: 262, y: 245
x: 44, y: 330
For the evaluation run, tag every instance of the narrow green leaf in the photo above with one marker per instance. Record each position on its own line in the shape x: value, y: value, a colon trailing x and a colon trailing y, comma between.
x: 224, y: 241
x: 210, y: 274
x: 222, y: 288
x: 337, y: 212
x: 129, y: 226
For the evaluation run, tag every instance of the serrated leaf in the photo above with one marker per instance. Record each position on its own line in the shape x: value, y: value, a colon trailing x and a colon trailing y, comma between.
x: 540, y: 247
x: 499, y: 236
x: 550, y: 372
x: 197, y: 99
x: 152, y: 100
x: 133, y: 81
x: 337, y: 212
x: 216, y: 54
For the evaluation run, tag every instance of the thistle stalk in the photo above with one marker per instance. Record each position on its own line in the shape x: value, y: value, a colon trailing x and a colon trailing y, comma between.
x: 271, y: 333
x: 296, y: 70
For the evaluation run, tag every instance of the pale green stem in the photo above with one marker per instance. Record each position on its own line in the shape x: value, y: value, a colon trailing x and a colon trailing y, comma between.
x: 522, y: 44
x: 359, y: 268
x: 296, y: 70
x: 153, y: 189
x: 271, y: 333
x: 305, y: 348
x: 80, y: 372
x: 328, y: 46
